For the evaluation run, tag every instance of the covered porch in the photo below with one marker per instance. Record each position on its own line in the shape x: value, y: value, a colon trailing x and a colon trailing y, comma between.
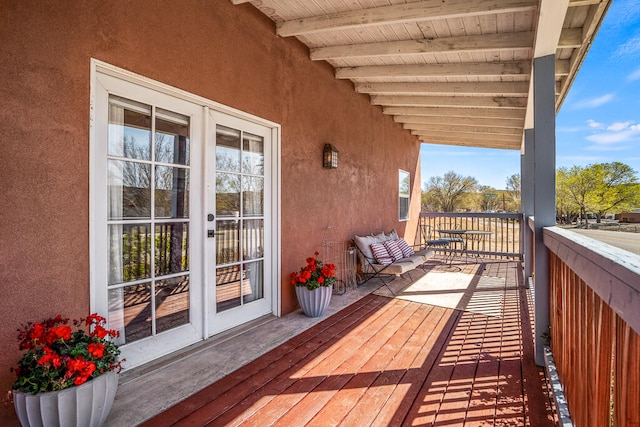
x: 374, y: 360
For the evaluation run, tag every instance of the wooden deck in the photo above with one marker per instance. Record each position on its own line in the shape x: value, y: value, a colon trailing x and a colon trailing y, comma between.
x: 389, y: 362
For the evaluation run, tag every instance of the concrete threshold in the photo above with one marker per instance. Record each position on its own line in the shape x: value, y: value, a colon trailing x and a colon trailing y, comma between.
x: 149, y: 389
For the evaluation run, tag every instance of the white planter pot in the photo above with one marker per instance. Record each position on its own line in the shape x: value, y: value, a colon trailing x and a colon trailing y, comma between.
x: 314, y: 303
x: 86, y: 405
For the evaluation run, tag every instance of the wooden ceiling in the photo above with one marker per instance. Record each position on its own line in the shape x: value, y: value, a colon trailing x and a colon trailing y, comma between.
x: 453, y: 72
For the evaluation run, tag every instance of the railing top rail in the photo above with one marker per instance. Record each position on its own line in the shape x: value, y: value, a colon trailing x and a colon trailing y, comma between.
x: 470, y: 215
x: 613, y: 273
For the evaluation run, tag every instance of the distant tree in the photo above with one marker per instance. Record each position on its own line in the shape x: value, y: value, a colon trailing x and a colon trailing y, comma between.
x: 446, y: 193
x: 514, y: 192
x: 617, y: 188
x: 486, y: 203
x: 599, y: 189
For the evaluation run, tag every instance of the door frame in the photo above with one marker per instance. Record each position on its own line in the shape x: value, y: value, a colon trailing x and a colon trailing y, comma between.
x: 274, y: 246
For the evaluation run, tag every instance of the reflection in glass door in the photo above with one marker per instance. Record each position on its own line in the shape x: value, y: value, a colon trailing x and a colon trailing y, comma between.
x: 239, y: 218
x: 148, y: 219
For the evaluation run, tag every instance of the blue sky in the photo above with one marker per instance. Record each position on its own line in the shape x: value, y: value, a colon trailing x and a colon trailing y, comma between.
x: 599, y: 121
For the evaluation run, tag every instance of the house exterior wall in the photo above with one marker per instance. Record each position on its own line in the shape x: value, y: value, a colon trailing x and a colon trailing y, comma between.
x: 229, y: 54
x: 630, y: 217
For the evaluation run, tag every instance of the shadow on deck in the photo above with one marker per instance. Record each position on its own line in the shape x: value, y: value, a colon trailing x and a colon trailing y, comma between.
x: 381, y: 360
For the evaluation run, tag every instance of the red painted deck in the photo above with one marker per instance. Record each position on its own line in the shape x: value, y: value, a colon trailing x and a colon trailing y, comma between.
x: 388, y: 362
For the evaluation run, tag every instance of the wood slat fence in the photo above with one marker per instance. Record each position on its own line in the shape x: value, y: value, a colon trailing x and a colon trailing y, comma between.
x: 594, y: 300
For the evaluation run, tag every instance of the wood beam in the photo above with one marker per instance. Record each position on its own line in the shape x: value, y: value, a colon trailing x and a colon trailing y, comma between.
x: 473, y: 130
x: 485, y: 143
x: 443, y: 112
x: 576, y: 3
x: 415, y: 12
x: 459, y: 121
x: 468, y: 136
x: 449, y: 101
x: 235, y: 2
x: 464, y: 69
x: 464, y: 44
x: 478, y: 88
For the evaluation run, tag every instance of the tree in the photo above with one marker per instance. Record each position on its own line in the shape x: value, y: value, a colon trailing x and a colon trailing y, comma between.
x: 514, y: 191
x: 445, y: 194
x: 487, y: 203
x: 599, y: 188
x: 617, y: 188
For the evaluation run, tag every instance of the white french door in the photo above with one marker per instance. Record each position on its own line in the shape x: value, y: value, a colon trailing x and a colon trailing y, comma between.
x: 239, y: 220
x: 184, y: 214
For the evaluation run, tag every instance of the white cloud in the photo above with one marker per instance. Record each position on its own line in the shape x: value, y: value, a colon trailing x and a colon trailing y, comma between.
x: 594, y: 125
x: 618, y: 126
x: 631, y: 48
x: 634, y: 76
x: 594, y: 102
x: 614, y: 137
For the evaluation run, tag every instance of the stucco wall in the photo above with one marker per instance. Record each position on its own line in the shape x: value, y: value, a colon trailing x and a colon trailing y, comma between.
x: 225, y: 53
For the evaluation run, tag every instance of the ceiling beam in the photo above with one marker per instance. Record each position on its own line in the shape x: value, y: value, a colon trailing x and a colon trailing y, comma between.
x: 467, y: 135
x: 419, y: 121
x: 416, y: 12
x: 576, y: 3
x: 437, y: 113
x: 477, y: 88
x: 464, y: 44
x: 449, y: 101
x: 472, y: 130
x: 464, y: 69
x: 464, y: 142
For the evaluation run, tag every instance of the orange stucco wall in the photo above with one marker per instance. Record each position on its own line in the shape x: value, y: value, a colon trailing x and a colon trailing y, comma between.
x: 225, y: 53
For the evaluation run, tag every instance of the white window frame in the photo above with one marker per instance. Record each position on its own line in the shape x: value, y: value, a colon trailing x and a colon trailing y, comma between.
x: 402, y: 195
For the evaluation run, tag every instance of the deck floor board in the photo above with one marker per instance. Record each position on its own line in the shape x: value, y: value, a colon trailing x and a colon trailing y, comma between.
x: 389, y: 362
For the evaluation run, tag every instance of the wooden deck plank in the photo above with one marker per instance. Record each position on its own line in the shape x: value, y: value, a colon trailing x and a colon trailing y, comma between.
x: 386, y: 361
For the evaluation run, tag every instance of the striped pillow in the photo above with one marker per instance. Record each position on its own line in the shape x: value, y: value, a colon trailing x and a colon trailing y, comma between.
x: 405, y: 248
x: 393, y: 249
x: 380, y: 254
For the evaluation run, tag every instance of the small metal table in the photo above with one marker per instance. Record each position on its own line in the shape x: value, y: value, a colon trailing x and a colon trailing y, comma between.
x: 466, y: 236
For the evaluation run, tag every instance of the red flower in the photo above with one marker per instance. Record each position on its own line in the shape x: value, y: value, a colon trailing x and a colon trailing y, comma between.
x: 51, y: 357
x: 96, y: 350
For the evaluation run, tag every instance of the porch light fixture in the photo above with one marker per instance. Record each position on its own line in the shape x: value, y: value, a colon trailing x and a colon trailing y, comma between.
x: 330, y: 157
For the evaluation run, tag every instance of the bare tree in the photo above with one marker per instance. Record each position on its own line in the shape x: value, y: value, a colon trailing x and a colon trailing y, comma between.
x: 446, y: 193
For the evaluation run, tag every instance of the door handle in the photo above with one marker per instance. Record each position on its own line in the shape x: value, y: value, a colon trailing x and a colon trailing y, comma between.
x: 213, y: 233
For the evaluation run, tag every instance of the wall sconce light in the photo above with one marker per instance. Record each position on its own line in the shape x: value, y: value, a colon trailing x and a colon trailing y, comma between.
x: 330, y: 157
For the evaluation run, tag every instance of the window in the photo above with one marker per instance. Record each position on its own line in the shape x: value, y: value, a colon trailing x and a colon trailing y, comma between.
x: 404, y: 191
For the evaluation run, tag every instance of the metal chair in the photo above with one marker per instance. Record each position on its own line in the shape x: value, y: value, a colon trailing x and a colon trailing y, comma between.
x: 443, y: 244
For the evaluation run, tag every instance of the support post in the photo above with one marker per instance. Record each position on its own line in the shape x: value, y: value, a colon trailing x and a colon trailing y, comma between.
x: 544, y: 188
x: 526, y: 199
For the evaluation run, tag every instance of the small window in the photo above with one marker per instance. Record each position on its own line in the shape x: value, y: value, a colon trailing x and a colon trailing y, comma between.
x: 403, y: 195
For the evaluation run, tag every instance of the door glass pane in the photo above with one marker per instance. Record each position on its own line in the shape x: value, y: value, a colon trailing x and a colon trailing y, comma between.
x: 172, y: 137
x: 252, y: 196
x: 254, y: 273
x: 130, y: 311
x: 172, y: 192
x: 171, y: 248
x: 129, y: 129
x: 228, y: 285
x: 172, y: 303
x: 253, y: 239
x: 129, y: 190
x: 227, y: 195
x: 144, y: 192
x: 252, y: 154
x: 227, y: 242
x: 227, y: 149
x: 129, y: 252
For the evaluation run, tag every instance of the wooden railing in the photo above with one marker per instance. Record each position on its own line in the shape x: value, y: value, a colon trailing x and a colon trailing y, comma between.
x: 594, y: 328
x: 503, y: 242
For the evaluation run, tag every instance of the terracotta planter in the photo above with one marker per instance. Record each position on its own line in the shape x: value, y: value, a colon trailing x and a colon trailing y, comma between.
x: 86, y: 405
x: 314, y: 303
